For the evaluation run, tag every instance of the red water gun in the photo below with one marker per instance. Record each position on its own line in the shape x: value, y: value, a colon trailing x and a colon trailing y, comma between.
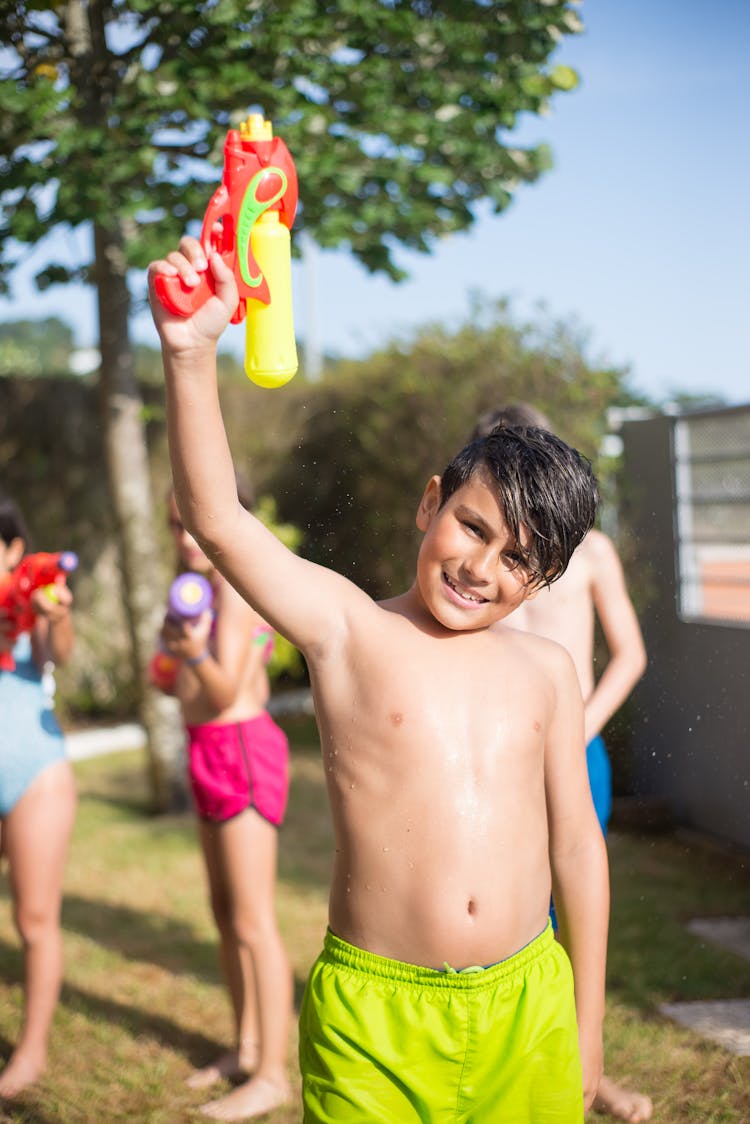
x: 247, y: 222
x: 34, y: 571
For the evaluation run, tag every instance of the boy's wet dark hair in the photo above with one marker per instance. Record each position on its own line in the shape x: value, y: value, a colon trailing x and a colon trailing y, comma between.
x: 543, y: 485
x: 515, y: 413
x: 12, y: 523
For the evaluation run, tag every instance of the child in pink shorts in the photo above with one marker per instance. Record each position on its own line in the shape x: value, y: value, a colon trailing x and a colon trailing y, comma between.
x: 239, y: 765
x: 239, y: 775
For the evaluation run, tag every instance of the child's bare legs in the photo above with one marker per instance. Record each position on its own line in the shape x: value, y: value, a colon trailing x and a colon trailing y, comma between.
x: 621, y: 1103
x: 236, y: 967
x: 243, y: 1057
x: 36, y: 835
x: 248, y: 853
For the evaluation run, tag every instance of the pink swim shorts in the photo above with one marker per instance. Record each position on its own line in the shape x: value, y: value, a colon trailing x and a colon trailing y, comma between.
x: 238, y: 765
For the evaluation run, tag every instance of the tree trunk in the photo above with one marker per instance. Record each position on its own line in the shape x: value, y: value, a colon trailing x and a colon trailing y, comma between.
x: 124, y: 430
x: 129, y: 480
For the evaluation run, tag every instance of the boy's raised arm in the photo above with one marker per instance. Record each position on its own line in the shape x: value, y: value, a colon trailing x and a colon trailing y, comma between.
x: 305, y: 602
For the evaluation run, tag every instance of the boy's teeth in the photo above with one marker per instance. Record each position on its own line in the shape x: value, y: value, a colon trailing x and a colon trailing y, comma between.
x: 462, y: 592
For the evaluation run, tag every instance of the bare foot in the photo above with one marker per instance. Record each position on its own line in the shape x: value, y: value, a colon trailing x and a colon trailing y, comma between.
x: 234, y: 1063
x: 623, y: 1104
x: 254, y: 1098
x: 22, y: 1070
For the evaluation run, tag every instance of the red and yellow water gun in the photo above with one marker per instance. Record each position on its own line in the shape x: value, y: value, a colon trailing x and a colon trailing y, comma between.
x: 247, y: 222
x: 34, y: 571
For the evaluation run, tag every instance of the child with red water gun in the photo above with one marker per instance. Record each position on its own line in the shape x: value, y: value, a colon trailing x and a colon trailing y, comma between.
x: 37, y: 790
x: 19, y: 587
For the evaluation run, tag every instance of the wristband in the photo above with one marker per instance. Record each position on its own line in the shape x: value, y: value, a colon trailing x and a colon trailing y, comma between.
x: 198, y: 659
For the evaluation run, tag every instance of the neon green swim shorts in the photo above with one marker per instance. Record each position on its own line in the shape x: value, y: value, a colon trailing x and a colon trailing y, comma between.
x: 383, y: 1042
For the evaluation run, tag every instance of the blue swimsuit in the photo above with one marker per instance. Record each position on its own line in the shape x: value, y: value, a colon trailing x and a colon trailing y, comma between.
x: 600, y: 779
x: 31, y: 739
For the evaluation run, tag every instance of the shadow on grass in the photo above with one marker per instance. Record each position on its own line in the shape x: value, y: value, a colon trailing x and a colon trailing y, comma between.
x: 158, y: 939
x: 139, y: 1022
x: 25, y: 1114
x: 141, y: 935
x: 19, y: 1112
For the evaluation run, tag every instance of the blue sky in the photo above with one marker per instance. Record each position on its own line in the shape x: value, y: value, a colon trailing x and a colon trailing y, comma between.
x: 639, y: 235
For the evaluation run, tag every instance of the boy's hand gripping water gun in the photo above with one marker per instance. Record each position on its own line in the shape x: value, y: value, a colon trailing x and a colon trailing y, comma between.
x: 247, y: 222
x: 34, y: 571
x: 190, y: 595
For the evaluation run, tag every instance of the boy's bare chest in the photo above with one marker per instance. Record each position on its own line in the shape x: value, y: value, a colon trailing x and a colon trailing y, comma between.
x: 422, y: 692
x: 435, y: 736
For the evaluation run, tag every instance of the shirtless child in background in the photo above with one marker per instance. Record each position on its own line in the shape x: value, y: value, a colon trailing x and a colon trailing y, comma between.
x: 458, y: 790
x: 593, y: 586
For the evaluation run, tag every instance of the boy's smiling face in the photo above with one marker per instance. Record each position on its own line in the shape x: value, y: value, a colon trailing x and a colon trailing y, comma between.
x: 469, y: 571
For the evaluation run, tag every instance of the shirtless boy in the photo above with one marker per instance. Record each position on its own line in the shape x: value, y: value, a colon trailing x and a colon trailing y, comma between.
x: 593, y: 586
x: 452, y: 754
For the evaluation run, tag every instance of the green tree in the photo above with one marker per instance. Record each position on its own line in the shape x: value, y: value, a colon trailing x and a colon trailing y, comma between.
x: 35, y: 347
x: 373, y: 431
x: 398, y: 114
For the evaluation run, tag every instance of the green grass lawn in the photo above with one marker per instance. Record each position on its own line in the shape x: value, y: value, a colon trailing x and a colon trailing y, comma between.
x: 143, y: 1002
